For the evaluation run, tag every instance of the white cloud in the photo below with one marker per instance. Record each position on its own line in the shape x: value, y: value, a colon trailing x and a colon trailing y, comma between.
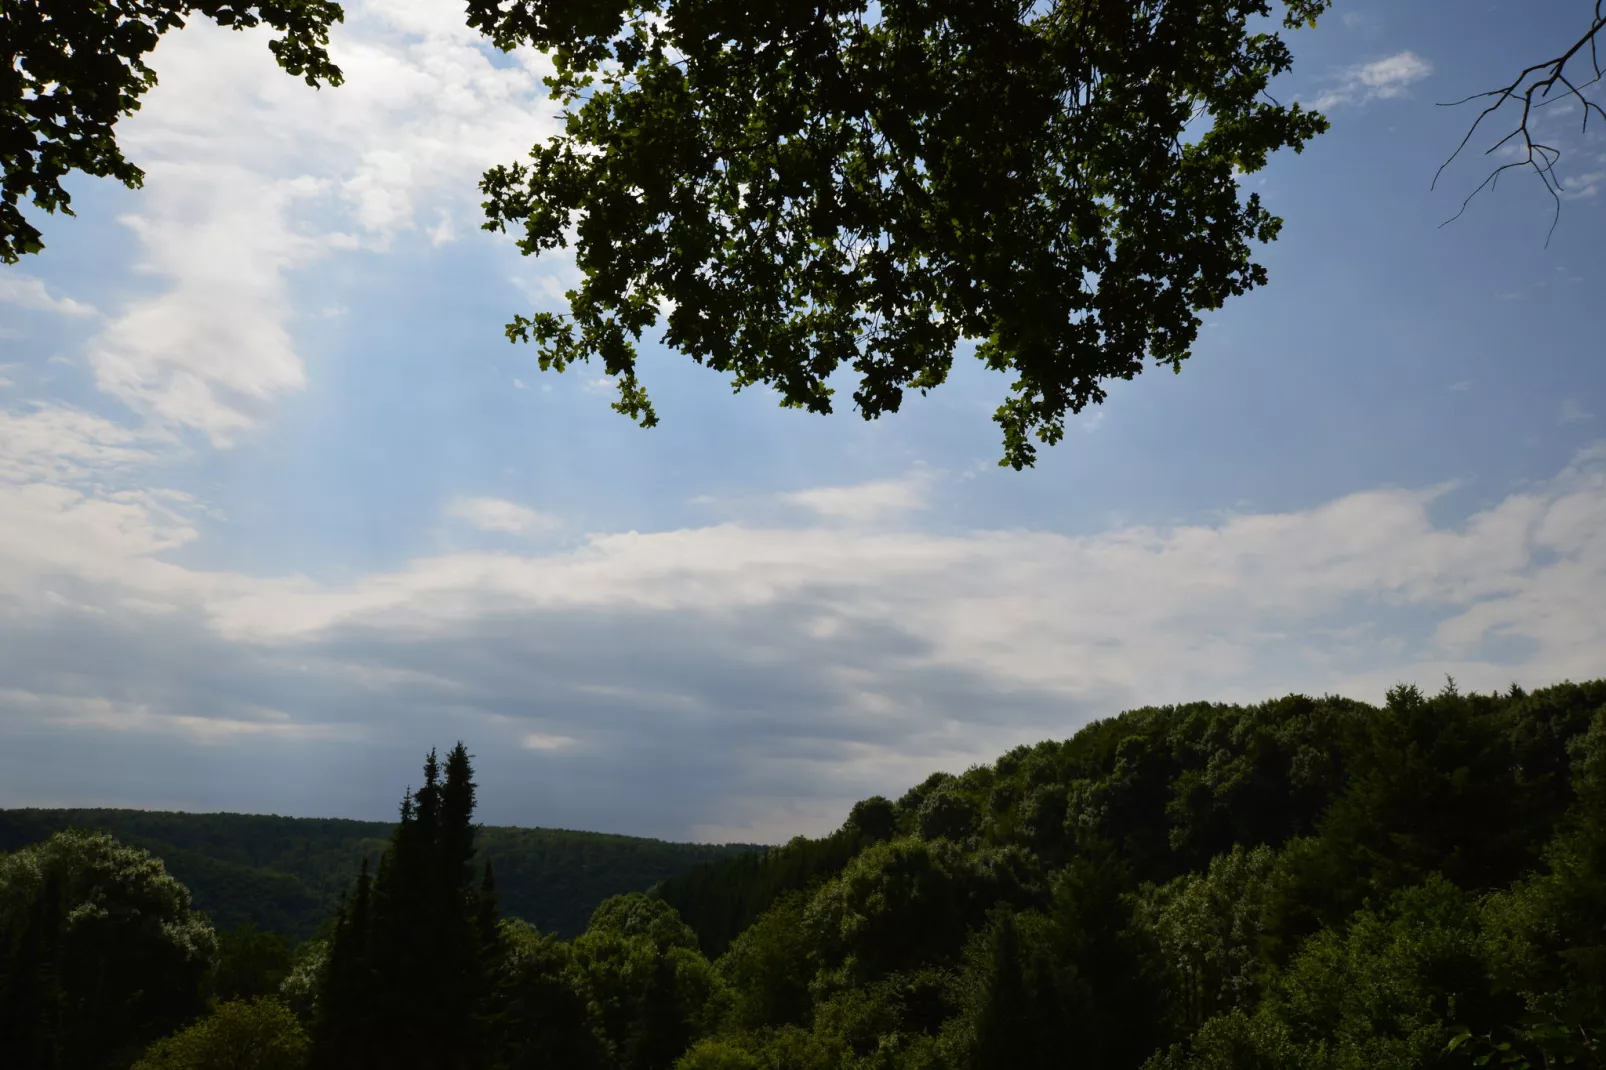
x: 252, y: 177
x: 749, y: 679
x: 1390, y: 76
x: 28, y: 292
x: 443, y: 232
x: 1584, y: 186
x: 108, y: 715
x: 1572, y: 411
x: 214, y: 349
x: 539, y: 741
x: 865, y: 501
x: 57, y: 442
x: 1381, y: 79
x: 495, y: 514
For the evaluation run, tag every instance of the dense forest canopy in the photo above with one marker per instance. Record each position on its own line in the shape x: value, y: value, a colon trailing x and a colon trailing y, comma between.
x: 1306, y: 882
x: 286, y: 874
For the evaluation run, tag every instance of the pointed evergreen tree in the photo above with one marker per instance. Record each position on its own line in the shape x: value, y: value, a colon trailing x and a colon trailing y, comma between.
x: 424, y: 941
x: 345, y: 1014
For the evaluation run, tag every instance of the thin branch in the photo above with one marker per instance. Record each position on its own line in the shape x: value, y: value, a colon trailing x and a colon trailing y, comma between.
x: 1531, y: 89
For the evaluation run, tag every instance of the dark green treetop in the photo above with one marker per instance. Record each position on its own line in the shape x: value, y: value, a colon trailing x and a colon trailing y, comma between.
x: 260, y: 1034
x: 100, y: 953
x: 798, y: 188
x: 252, y: 962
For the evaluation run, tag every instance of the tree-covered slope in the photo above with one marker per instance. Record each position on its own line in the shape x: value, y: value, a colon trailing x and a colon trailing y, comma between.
x: 286, y: 873
x: 1299, y: 883
x: 1467, y: 784
x: 1302, y: 884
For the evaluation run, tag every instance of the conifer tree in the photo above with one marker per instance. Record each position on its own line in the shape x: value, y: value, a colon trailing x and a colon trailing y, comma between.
x: 345, y: 1016
x: 407, y: 977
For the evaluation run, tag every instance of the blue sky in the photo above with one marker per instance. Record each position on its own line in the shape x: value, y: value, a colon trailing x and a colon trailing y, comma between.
x: 283, y: 508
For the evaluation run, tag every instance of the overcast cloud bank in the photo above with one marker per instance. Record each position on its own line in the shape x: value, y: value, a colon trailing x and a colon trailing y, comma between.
x: 753, y: 679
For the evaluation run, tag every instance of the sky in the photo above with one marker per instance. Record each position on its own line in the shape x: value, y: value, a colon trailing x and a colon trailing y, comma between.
x: 281, y: 508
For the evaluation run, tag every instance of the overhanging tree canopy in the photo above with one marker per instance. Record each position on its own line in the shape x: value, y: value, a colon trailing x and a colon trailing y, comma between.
x: 795, y: 188
x: 70, y: 69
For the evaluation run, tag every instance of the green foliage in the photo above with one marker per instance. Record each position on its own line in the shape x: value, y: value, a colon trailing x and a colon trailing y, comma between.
x: 649, y: 918
x: 1547, y: 935
x: 1492, y: 958
x: 717, y: 1055
x: 100, y: 953
x: 632, y: 991
x: 806, y: 187
x: 541, y: 1011
x: 769, y: 966
x: 262, y: 1034
x: 286, y: 874
x: 946, y: 813
x: 1301, y: 883
x: 251, y: 962
x: 1313, y: 884
x: 1210, y: 926
x: 908, y: 902
x: 1385, y: 991
x: 74, y: 69
x: 303, y: 985
x: 650, y: 991
x: 555, y: 878
x: 410, y: 964
x: 282, y: 874
x: 874, y: 819
x: 722, y: 898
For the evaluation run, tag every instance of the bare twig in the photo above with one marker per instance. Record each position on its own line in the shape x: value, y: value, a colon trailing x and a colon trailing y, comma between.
x: 1532, y: 89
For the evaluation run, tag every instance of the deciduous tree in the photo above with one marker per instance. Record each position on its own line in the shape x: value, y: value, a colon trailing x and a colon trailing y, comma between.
x: 797, y: 189
x: 100, y: 953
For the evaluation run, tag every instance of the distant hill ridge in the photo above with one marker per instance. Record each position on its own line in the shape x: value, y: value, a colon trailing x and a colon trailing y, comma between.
x: 287, y: 873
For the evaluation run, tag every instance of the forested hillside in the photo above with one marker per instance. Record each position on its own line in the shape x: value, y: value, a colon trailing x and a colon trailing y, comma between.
x: 286, y: 874
x: 1303, y: 883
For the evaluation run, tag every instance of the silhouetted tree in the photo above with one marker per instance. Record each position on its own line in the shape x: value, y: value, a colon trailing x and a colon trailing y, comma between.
x: 100, y: 954
x: 409, y: 965
x: 808, y: 187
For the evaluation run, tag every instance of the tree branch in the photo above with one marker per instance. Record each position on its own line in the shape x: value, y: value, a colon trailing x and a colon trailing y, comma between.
x: 1531, y: 90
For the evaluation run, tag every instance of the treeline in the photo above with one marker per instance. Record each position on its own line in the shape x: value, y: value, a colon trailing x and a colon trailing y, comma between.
x: 1307, y: 883
x: 719, y: 900
x: 286, y: 874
